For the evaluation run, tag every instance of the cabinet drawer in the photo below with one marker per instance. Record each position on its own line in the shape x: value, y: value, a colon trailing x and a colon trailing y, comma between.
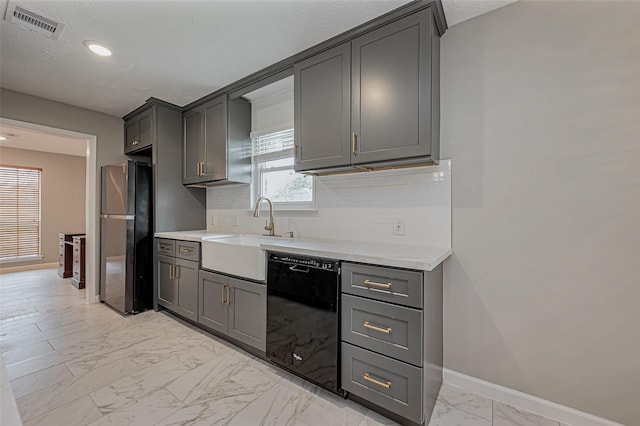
x: 380, y: 283
x: 384, y: 381
x: 165, y: 247
x: 188, y: 250
x: 391, y: 330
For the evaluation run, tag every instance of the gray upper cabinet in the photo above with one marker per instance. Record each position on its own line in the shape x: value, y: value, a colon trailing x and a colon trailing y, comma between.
x: 371, y: 102
x: 137, y: 132
x: 157, y: 126
x: 194, y: 145
x: 217, y: 146
x: 322, y: 109
x: 391, y: 91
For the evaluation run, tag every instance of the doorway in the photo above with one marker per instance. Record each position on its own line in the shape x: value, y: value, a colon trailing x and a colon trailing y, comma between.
x: 88, y: 143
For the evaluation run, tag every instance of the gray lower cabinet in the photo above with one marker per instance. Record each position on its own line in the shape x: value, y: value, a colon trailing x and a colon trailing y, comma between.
x: 384, y: 381
x: 176, y: 278
x: 371, y: 102
x: 234, y: 307
x: 391, y: 327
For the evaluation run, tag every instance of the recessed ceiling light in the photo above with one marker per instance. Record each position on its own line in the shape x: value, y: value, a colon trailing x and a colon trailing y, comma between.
x: 96, y: 48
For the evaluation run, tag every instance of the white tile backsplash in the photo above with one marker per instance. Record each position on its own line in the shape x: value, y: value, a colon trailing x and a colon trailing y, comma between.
x: 358, y: 207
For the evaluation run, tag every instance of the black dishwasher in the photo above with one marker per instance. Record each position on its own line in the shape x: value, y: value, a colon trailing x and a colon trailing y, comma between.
x: 303, y: 333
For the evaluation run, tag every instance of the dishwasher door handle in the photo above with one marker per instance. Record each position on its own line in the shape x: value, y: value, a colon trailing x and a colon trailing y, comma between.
x: 298, y: 268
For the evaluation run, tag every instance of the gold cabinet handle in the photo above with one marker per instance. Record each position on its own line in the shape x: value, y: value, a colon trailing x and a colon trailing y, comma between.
x: 202, y: 168
x: 223, y: 291
x: 373, y: 327
x: 198, y: 169
x: 228, y: 294
x: 175, y: 272
x: 186, y: 250
x: 368, y: 378
x: 375, y: 284
x: 135, y: 142
x: 354, y: 143
x: 164, y: 247
x: 170, y: 272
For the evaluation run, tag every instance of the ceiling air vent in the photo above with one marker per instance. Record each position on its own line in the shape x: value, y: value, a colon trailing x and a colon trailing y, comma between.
x: 33, y: 21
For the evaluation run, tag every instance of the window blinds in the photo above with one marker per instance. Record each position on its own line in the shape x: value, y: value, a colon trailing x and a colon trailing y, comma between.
x: 273, y: 146
x: 19, y: 212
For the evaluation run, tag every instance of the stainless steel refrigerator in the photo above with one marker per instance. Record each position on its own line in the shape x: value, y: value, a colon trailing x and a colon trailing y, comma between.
x: 126, y: 282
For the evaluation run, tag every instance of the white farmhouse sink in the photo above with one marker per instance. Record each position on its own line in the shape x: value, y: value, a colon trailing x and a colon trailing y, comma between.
x: 239, y: 255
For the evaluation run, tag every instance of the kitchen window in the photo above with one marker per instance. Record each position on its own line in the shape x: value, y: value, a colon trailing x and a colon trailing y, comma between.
x: 273, y: 174
x: 19, y: 213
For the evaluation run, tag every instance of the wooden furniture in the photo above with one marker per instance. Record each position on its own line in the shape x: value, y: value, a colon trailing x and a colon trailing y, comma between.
x: 65, y: 254
x: 78, y: 246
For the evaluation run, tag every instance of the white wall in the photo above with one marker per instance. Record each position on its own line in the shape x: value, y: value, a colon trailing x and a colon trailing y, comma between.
x: 541, y: 116
x: 359, y: 207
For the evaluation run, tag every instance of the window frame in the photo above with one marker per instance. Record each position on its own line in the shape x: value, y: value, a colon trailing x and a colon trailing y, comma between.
x: 257, y: 172
x: 31, y: 256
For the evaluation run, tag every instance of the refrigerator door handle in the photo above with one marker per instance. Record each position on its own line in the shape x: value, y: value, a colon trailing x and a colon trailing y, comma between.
x: 118, y: 216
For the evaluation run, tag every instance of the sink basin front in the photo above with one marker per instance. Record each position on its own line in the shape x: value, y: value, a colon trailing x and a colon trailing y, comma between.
x: 239, y: 255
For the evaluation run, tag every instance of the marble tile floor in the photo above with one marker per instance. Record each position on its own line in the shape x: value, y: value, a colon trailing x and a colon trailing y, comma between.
x: 73, y: 363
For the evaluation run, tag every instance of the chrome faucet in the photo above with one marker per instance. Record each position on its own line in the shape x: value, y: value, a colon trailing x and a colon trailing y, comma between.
x: 270, y: 226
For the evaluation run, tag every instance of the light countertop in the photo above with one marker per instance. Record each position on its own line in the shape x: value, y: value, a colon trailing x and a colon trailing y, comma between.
x: 401, y: 256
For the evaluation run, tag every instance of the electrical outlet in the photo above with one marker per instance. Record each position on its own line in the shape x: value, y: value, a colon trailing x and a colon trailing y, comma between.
x: 212, y: 220
x: 398, y: 227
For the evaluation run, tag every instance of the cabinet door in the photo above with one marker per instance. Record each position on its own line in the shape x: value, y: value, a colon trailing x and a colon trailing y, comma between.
x: 391, y: 90
x: 144, y: 130
x: 212, y: 295
x: 215, y: 136
x: 138, y: 132
x: 248, y: 313
x: 131, y: 138
x: 167, y: 287
x: 193, y: 121
x: 187, y: 292
x: 322, y: 110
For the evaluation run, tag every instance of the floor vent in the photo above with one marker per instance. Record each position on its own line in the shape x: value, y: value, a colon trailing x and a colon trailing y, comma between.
x: 33, y: 21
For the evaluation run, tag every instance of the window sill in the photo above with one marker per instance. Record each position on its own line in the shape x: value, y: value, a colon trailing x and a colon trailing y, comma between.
x: 21, y: 259
x: 288, y: 211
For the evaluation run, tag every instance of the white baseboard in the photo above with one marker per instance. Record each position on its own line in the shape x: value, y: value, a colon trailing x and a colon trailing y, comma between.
x: 33, y: 267
x: 524, y: 401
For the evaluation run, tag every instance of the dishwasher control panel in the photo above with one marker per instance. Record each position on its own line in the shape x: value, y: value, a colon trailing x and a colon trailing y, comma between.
x: 313, y: 262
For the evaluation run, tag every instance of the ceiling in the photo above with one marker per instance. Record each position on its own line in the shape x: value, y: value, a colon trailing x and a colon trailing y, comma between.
x: 22, y: 138
x: 177, y: 51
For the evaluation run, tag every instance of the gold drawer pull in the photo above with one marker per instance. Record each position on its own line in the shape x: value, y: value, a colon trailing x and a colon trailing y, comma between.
x: 377, y: 382
x: 375, y: 284
x: 164, y: 247
x: 373, y: 327
x: 186, y: 250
